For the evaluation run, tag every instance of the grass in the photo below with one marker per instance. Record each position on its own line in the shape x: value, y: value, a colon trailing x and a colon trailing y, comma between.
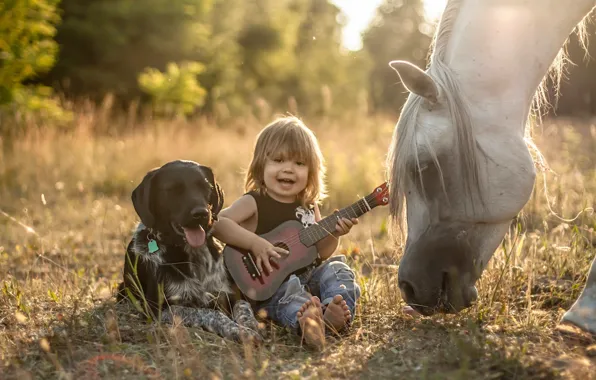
x: 66, y: 218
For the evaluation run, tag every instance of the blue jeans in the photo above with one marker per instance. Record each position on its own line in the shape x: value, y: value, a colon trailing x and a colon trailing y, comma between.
x: 329, y: 279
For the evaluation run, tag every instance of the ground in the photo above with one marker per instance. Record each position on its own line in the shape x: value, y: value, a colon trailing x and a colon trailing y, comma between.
x: 66, y: 217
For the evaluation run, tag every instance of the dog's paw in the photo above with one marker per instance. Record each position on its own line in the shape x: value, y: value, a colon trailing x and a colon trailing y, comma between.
x: 244, y: 316
x: 251, y: 324
x: 249, y: 336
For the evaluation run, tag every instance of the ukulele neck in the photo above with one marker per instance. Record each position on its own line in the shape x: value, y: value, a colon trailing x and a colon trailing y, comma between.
x: 325, y: 227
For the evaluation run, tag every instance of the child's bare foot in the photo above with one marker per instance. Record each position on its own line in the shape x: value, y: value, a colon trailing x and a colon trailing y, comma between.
x: 310, y: 318
x: 337, y: 315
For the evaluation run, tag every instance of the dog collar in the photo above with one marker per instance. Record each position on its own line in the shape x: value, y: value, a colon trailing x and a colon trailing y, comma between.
x: 151, y: 242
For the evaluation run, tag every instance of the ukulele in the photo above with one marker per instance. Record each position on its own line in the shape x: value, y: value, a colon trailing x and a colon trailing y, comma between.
x: 300, y: 244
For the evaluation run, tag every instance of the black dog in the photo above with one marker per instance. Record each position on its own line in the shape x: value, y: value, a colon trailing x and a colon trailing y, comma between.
x: 173, y: 265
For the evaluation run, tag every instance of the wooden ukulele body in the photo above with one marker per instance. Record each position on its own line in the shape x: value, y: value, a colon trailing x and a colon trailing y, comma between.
x: 260, y: 286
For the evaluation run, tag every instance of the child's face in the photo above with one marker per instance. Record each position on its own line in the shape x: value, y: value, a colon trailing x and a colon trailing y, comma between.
x: 285, y: 178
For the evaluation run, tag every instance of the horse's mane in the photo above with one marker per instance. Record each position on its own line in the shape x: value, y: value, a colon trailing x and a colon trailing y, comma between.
x: 404, y: 144
x: 556, y: 71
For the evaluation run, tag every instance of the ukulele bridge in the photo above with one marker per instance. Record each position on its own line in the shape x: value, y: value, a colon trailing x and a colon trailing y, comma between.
x: 250, y: 265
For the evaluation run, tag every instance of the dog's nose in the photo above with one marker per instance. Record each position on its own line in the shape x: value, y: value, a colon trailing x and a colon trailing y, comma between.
x: 199, y: 213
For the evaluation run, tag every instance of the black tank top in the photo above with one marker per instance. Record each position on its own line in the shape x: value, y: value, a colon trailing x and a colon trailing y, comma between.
x: 271, y: 213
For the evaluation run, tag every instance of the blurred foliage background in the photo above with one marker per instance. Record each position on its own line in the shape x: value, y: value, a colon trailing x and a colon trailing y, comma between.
x: 219, y: 59
x: 194, y: 58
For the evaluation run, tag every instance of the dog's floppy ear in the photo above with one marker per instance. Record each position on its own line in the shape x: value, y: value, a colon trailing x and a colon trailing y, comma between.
x: 141, y: 199
x: 217, y: 197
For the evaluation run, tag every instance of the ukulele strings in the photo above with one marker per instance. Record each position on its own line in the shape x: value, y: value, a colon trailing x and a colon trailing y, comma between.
x: 296, y: 237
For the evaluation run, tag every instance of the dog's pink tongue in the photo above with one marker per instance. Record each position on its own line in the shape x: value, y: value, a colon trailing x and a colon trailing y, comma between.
x: 195, y: 236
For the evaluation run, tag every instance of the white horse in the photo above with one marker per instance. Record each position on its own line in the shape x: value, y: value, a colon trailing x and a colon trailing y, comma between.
x: 458, y: 159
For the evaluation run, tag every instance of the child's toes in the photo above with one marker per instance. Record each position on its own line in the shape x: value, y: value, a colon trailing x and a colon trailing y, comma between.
x: 303, y: 308
x: 315, y: 301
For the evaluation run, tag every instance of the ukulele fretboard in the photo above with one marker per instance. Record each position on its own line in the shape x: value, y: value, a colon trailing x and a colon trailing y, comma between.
x: 326, y: 226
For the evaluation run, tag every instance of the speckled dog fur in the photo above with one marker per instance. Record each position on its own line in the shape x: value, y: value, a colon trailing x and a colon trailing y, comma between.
x: 178, y: 279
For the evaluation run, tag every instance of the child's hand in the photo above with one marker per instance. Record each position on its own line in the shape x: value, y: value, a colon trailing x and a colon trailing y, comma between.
x: 344, y: 225
x: 263, y: 251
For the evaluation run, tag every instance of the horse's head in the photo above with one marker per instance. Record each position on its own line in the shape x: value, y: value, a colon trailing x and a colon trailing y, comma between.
x: 462, y: 176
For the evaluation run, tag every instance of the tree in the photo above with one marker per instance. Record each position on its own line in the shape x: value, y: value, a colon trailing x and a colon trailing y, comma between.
x: 27, y: 49
x: 221, y: 57
x: 106, y: 44
x: 251, y: 51
x: 175, y: 92
x: 326, y: 75
x: 395, y: 33
x: 26, y: 42
x: 292, y: 49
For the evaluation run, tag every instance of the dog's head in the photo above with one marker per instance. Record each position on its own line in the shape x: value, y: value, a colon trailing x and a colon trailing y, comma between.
x: 180, y: 200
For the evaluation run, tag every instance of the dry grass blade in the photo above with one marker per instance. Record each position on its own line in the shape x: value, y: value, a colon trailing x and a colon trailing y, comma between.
x: 61, y: 256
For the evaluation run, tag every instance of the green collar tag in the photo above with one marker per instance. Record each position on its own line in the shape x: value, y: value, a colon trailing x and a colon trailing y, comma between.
x: 152, y: 245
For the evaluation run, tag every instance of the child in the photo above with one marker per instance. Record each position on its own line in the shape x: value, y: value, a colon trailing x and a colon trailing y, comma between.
x: 285, y: 180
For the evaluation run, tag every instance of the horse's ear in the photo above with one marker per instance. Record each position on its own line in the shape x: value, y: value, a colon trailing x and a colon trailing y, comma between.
x: 416, y: 80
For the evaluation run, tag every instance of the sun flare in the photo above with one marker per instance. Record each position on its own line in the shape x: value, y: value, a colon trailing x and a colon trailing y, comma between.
x: 434, y: 8
x: 359, y: 14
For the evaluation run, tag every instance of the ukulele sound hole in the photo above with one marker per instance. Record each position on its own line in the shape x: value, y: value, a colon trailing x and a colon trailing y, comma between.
x: 282, y: 245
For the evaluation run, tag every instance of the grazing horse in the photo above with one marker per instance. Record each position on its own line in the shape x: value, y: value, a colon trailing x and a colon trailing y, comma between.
x: 458, y: 160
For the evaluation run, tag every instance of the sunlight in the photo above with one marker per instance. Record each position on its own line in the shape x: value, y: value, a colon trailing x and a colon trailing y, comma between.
x: 433, y: 9
x: 359, y: 14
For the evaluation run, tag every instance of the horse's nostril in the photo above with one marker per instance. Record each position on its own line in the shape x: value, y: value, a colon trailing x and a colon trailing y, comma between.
x: 407, y: 291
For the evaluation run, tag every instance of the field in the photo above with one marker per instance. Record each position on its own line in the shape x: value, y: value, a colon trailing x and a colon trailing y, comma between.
x: 66, y: 217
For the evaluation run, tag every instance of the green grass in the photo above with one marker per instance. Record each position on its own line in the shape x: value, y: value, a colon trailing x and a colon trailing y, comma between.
x: 67, y: 217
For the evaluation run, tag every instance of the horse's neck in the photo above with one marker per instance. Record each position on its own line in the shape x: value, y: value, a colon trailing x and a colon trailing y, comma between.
x: 501, y: 49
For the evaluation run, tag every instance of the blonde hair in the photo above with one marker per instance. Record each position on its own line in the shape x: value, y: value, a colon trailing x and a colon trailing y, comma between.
x: 290, y: 137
